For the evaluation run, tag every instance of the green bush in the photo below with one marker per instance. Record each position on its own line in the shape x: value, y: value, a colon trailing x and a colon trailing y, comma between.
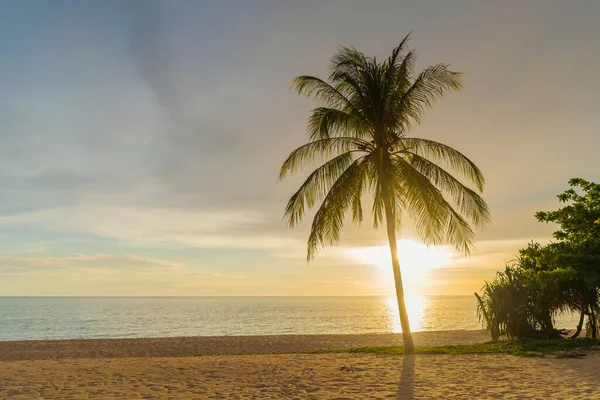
x: 522, y: 301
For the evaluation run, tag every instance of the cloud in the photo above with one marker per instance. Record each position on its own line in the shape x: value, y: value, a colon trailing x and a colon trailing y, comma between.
x: 168, y: 129
x: 149, y: 226
x: 94, y: 261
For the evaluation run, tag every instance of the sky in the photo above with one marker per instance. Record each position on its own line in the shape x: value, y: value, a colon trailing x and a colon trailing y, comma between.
x: 140, y: 141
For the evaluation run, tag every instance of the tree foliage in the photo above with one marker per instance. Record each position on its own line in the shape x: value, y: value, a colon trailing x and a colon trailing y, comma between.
x: 546, y: 280
x: 522, y: 301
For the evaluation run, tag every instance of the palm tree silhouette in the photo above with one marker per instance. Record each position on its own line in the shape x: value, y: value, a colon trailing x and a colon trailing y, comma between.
x: 361, y: 131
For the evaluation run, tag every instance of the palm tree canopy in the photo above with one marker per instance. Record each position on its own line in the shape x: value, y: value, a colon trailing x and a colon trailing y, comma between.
x: 360, y: 134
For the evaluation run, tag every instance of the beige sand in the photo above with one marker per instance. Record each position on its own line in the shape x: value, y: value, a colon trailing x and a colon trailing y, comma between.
x: 302, y: 376
x: 213, y: 345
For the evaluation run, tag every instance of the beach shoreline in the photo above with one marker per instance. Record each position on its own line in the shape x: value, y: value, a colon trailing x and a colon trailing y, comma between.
x: 220, y: 345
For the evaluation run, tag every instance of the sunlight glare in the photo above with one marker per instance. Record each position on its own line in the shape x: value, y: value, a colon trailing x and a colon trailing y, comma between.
x: 415, y: 307
x: 416, y: 260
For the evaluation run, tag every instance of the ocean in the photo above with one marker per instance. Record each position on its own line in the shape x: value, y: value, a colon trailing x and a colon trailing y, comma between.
x: 44, y: 318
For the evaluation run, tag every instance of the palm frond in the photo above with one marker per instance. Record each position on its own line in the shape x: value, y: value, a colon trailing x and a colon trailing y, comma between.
x: 399, y: 80
x: 319, y: 150
x: 322, y: 92
x: 377, y: 184
x: 351, y: 85
x: 397, y: 52
x: 424, y: 202
x: 428, y: 87
x: 357, y: 211
x: 329, y: 219
x: 325, y: 122
x: 436, y: 151
x: 468, y: 202
x: 347, y: 60
x: 377, y: 209
x: 459, y: 232
x: 315, y: 187
x: 435, y: 218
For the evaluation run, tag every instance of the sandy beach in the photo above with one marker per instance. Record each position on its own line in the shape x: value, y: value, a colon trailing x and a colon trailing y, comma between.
x: 225, y: 367
x: 219, y: 345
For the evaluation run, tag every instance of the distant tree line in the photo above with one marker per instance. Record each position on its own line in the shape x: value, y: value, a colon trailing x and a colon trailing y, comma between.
x: 546, y: 280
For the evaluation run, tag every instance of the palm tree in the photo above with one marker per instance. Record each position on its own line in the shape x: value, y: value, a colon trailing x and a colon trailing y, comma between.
x: 361, y: 132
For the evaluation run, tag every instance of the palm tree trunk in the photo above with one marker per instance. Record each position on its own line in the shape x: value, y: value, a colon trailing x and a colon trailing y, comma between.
x: 409, y: 347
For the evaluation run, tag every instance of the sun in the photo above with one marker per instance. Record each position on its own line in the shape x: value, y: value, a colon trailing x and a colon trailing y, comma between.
x: 417, y: 260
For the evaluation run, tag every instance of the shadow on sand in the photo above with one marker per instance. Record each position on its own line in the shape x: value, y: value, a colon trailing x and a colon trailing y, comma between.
x: 407, y: 379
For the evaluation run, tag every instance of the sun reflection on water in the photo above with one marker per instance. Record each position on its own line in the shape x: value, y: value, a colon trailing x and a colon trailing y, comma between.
x: 415, y: 306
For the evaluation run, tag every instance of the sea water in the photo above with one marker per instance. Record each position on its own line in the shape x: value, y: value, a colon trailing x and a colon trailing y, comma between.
x: 25, y: 318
